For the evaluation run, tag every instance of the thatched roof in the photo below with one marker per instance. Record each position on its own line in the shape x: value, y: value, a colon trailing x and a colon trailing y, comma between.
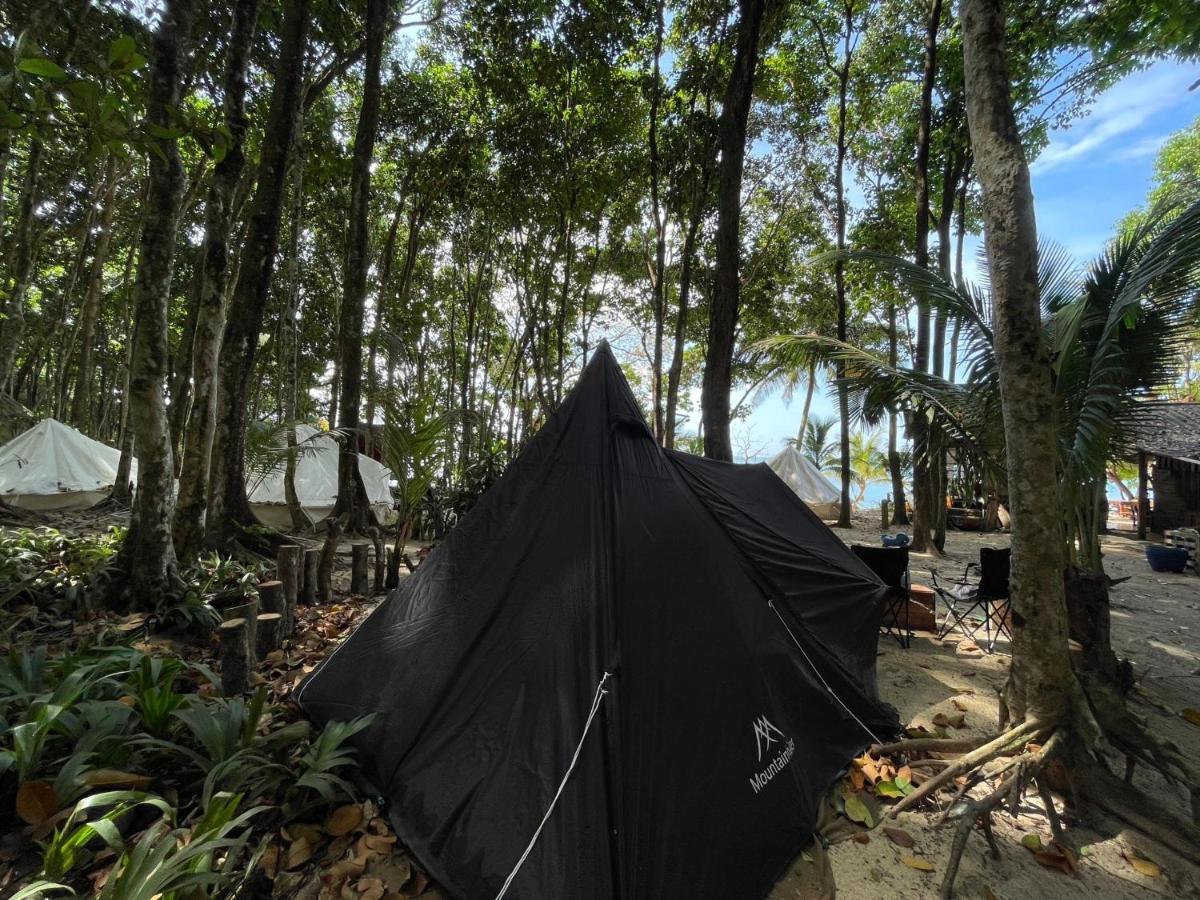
x: 1169, y: 429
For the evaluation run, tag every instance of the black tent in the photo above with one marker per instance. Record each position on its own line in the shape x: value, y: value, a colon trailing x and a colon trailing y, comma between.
x: 627, y: 673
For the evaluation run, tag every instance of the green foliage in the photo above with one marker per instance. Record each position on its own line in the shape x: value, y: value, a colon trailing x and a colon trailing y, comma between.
x: 44, y: 565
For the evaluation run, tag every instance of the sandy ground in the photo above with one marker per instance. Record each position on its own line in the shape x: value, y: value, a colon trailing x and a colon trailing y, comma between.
x: 1156, y: 623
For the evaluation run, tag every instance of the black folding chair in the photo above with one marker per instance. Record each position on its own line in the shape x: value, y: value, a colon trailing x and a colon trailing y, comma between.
x: 966, y: 600
x: 891, y: 565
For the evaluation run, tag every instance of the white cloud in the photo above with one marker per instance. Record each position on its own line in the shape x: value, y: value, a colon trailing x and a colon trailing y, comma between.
x: 1122, y: 109
x: 1148, y: 146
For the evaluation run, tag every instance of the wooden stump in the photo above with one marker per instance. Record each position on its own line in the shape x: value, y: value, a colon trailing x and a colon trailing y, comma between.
x: 235, y: 658
x: 328, y: 554
x: 308, y: 589
x: 358, y: 569
x: 269, y: 634
x: 273, y: 599
x: 247, y: 610
x: 287, y: 569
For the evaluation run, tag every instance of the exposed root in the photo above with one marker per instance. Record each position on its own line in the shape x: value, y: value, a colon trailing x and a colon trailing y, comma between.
x: 1008, y: 742
x: 919, y: 745
x: 1026, y: 767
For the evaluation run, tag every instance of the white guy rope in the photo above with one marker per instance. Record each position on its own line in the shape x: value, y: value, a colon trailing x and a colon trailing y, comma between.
x: 600, y: 692
x: 811, y: 665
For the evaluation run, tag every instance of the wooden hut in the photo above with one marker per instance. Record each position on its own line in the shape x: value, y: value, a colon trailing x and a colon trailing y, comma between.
x: 1167, y: 448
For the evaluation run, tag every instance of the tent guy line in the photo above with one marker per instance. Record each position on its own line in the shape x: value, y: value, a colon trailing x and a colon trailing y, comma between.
x: 600, y: 692
x: 817, y: 672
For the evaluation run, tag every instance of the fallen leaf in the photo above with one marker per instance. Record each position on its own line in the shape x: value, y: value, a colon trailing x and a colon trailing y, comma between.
x: 299, y: 852
x: 36, y: 802
x: 344, y: 820
x: 1145, y: 867
x: 1031, y: 842
x: 416, y: 885
x: 370, y: 888
x: 856, y: 811
x: 917, y: 862
x: 1056, y: 858
x: 959, y: 705
x: 114, y: 778
x: 1192, y: 715
x: 857, y: 779
x: 861, y: 837
x: 988, y: 893
x: 900, y: 837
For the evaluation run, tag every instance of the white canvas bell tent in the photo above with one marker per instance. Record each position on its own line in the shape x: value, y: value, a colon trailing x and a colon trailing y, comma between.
x: 317, y: 483
x: 799, y: 473
x: 53, y: 466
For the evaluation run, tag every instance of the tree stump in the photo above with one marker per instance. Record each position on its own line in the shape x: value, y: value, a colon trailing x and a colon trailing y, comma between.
x: 287, y: 568
x: 328, y: 554
x: 270, y: 627
x: 273, y: 599
x: 308, y: 589
x: 235, y: 658
x: 358, y: 569
x: 247, y: 610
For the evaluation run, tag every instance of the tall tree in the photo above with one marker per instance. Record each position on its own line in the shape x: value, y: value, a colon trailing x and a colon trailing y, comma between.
x: 352, y: 504
x: 214, y: 282
x: 229, y: 511
x: 147, y: 554
x: 723, y: 313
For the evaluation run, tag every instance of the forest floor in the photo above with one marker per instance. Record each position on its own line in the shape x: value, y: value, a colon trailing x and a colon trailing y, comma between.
x: 1156, y: 624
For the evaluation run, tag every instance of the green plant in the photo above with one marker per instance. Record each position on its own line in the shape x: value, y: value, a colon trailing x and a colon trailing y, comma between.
x: 321, y: 765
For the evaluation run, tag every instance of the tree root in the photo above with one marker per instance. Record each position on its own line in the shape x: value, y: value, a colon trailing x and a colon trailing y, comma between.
x: 1027, y: 766
x: 1008, y: 742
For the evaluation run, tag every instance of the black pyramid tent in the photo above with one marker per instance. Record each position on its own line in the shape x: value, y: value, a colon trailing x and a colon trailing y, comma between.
x: 737, y: 632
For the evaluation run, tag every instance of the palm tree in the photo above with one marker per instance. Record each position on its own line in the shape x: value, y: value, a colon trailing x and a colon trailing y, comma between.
x: 817, y: 447
x: 867, y: 461
x: 1114, y: 332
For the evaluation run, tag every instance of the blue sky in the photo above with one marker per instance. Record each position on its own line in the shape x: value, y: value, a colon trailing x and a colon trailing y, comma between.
x: 1088, y: 177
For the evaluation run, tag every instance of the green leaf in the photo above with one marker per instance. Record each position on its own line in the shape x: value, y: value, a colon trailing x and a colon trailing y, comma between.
x: 889, y: 789
x: 166, y: 134
x: 857, y: 811
x: 43, y: 68
x: 121, y: 51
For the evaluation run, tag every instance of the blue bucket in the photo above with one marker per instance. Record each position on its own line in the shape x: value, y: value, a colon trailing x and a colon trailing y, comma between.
x: 1166, y: 559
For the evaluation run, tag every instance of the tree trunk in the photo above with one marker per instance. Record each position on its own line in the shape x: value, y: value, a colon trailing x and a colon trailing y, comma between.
x: 1040, y: 679
x: 121, y: 490
x: 229, y: 511
x: 12, y: 326
x: 723, y: 316
x: 288, y: 349
x: 210, y: 308
x: 839, y: 271
x: 924, y: 513
x: 81, y: 402
x: 895, y: 468
x: 660, y: 231
x: 147, y: 553
x: 352, y: 499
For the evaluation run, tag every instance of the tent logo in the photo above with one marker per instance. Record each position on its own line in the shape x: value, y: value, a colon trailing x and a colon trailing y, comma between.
x: 765, y: 734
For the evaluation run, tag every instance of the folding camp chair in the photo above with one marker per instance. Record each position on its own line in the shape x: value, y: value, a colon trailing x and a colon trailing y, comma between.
x: 988, y: 597
x: 891, y: 565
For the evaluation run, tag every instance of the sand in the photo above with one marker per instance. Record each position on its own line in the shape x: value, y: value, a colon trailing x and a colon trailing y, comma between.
x: 1156, y: 624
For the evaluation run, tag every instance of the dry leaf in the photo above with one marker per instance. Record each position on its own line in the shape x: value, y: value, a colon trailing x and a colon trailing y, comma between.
x: 416, y: 885
x: 988, y: 893
x: 860, y: 837
x: 917, y: 862
x: 298, y: 853
x: 36, y: 802
x: 379, y: 843
x: 857, y: 779
x: 370, y: 888
x: 959, y: 705
x: 1192, y: 715
x: 114, y: 778
x: 900, y: 836
x: 344, y: 820
x: 1145, y: 867
x: 1055, y: 857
